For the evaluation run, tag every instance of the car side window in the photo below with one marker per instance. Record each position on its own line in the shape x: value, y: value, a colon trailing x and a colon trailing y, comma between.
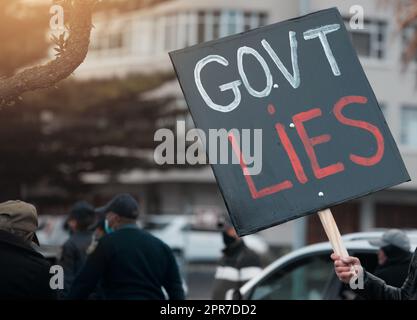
x: 304, y: 279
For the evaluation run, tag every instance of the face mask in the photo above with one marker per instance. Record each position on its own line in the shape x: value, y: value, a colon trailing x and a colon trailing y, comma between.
x: 228, y: 240
x: 107, y: 227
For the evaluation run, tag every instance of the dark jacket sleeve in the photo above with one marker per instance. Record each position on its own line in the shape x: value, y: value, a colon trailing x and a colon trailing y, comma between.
x: 173, y: 282
x: 249, y: 265
x: 376, y: 289
x: 87, y: 279
x: 44, y: 288
x: 67, y: 262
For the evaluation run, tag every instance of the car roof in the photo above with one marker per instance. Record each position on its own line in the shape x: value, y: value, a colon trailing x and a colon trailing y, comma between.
x: 377, y: 233
x: 354, y: 242
x: 163, y: 217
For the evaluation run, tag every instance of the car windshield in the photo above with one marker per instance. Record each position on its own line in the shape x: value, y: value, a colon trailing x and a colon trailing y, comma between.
x: 304, y: 279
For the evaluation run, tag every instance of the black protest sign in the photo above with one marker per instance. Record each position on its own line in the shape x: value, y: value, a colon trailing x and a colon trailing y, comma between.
x: 324, y: 138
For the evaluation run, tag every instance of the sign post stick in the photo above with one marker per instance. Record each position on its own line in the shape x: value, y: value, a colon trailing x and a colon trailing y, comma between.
x: 330, y: 227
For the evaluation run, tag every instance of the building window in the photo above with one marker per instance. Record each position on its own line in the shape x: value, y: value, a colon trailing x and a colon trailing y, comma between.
x: 209, y: 26
x: 254, y: 20
x: 216, y: 24
x: 160, y: 34
x: 146, y: 28
x: 215, y: 21
x: 201, y: 26
x: 409, y: 126
x: 107, y: 42
x: 371, y: 40
x: 116, y: 40
x: 263, y: 19
x: 232, y: 22
x: 174, y: 31
x: 170, y: 32
x: 192, y: 28
x: 183, y: 30
x: 112, y: 39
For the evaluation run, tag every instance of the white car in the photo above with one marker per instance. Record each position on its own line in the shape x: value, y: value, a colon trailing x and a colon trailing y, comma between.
x: 192, y: 243
x: 187, y: 241
x: 51, y: 230
x: 308, y: 273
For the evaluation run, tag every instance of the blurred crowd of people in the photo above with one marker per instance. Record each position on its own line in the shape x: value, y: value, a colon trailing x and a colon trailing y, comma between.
x: 108, y: 256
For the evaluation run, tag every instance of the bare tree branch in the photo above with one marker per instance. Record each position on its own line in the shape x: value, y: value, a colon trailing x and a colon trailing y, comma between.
x: 49, y: 74
x: 407, y: 15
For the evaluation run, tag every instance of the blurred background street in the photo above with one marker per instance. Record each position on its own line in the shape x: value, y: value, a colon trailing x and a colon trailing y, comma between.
x: 92, y: 136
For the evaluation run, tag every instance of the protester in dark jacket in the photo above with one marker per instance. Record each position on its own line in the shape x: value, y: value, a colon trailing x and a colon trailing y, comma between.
x: 74, y: 251
x: 238, y: 264
x: 99, y: 231
x: 24, y: 272
x: 373, y: 287
x: 394, y: 257
x: 128, y: 262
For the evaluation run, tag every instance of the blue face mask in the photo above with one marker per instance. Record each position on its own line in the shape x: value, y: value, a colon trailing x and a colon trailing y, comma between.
x: 107, y: 227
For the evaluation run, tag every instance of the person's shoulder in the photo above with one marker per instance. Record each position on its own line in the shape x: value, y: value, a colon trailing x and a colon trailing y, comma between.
x: 123, y: 234
x: 382, y: 271
x: 70, y: 243
x: 133, y: 234
x: 107, y: 241
x: 150, y: 238
x: 39, y: 260
x: 108, y: 238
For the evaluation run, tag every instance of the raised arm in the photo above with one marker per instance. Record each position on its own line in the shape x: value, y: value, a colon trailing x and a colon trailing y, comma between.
x: 374, y: 288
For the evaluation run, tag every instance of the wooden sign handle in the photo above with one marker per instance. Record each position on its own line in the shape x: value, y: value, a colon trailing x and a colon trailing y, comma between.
x: 330, y: 227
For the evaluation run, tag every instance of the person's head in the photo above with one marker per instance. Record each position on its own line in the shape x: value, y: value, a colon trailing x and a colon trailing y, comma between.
x: 81, y: 217
x: 19, y: 218
x: 121, y: 210
x: 228, y: 232
x: 382, y: 257
x: 393, y: 243
x: 99, y: 229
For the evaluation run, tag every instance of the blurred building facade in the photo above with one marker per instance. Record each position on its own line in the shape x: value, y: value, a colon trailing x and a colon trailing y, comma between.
x: 139, y: 41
